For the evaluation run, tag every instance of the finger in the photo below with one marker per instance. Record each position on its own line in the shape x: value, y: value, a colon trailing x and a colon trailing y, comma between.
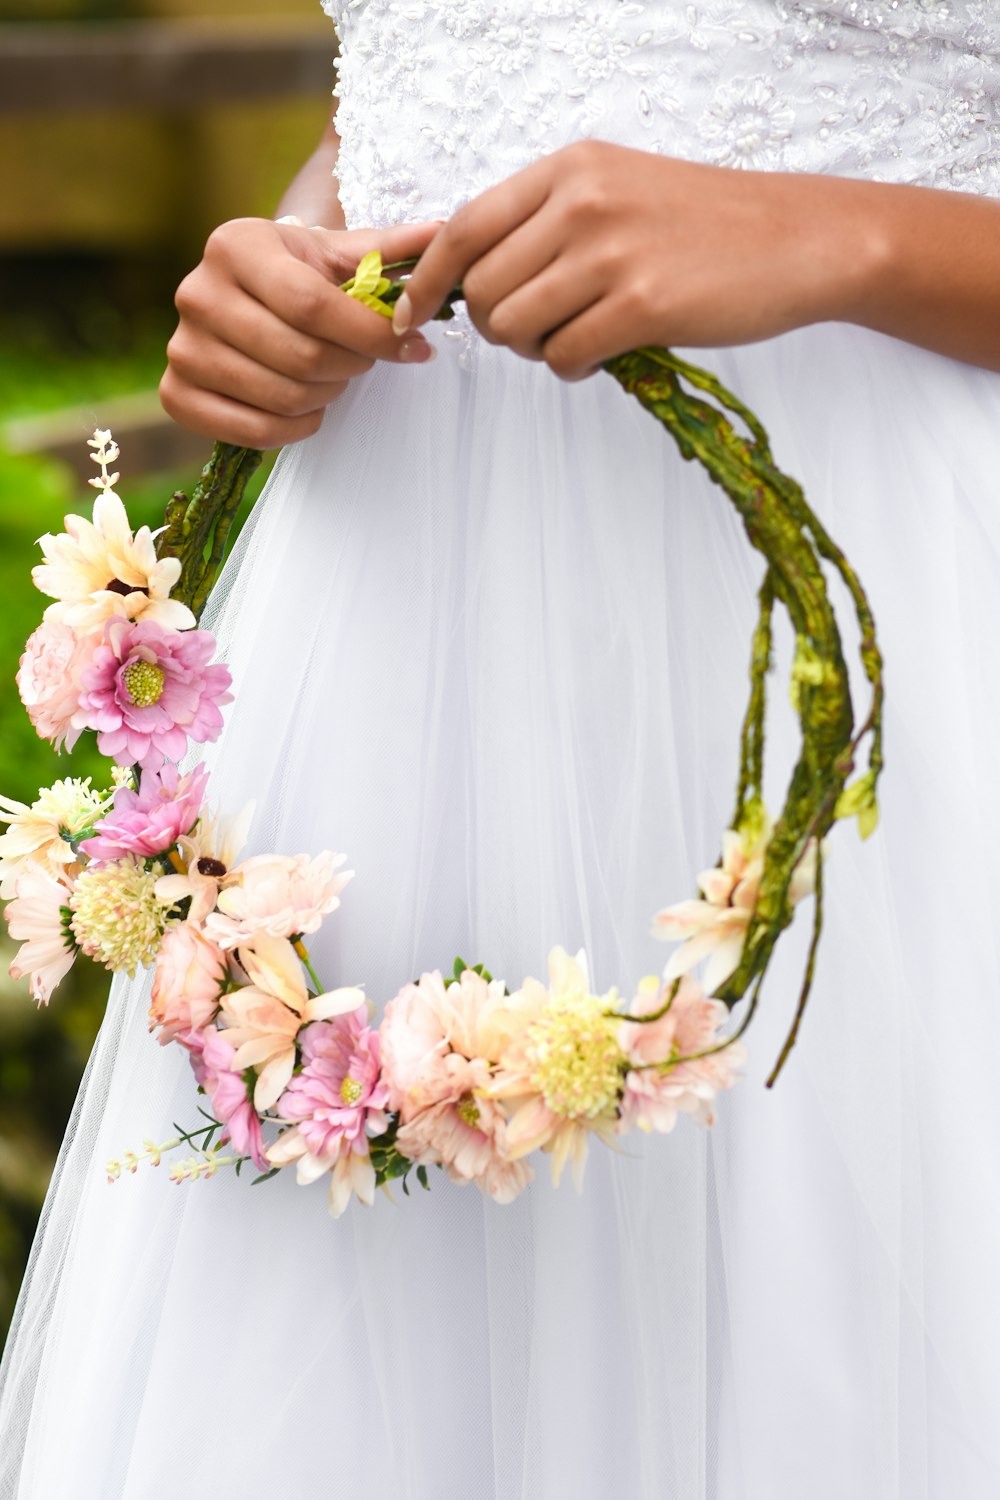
x: 248, y: 326
x: 536, y: 309
x: 466, y: 238
x: 224, y: 420
x: 582, y: 345
x: 305, y: 299
x: 524, y: 254
x: 336, y: 252
x: 228, y: 372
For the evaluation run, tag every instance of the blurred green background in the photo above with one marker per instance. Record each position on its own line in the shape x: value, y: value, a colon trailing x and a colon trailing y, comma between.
x: 127, y: 131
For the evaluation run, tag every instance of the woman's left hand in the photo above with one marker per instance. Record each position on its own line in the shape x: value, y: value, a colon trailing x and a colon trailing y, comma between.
x: 597, y: 249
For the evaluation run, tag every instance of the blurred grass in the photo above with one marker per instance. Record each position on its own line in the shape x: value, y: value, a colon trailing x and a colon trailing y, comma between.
x: 43, y: 1054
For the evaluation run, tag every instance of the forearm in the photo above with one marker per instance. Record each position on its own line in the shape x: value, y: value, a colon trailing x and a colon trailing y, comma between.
x: 920, y: 264
x: 313, y: 194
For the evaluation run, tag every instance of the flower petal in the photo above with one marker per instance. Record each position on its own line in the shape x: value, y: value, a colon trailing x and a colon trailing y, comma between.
x: 273, y: 1079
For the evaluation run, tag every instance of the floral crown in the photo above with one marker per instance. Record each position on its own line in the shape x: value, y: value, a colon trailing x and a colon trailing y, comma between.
x: 462, y: 1073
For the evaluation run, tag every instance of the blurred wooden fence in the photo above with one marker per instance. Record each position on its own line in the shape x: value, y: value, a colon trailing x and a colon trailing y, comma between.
x: 135, y: 135
x: 166, y: 66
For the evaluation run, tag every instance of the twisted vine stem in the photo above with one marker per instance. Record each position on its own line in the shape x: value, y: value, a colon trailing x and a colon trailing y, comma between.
x: 781, y: 526
x: 698, y: 413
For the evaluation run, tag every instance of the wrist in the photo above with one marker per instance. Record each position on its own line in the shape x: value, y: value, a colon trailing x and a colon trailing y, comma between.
x: 860, y: 250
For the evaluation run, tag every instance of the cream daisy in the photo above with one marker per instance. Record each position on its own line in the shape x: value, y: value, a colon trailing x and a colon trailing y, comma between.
x: 97, y: 569
x: 42, y: 832
x: 561, y: 1072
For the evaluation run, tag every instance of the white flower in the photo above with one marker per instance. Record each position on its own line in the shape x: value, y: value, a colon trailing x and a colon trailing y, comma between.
x: 40, y: 833
x: 748, y: 124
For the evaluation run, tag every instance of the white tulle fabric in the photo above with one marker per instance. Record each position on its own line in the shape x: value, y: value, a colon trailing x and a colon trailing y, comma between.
x: 489, y: 636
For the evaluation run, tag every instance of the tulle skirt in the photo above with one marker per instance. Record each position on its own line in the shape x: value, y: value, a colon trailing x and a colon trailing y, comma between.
x: 490, y: 636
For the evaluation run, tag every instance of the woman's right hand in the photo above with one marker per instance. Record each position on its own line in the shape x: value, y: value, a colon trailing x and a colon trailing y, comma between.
x: 266, y: 340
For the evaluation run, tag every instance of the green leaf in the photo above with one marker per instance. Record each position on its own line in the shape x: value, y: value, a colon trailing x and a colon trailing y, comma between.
x: 367, y: 276
x: 868, y: 819
x: 265, y: 1176
x: 859, y: 801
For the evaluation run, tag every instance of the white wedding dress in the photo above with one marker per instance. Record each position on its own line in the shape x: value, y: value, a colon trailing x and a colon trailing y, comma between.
x: 490, y: 637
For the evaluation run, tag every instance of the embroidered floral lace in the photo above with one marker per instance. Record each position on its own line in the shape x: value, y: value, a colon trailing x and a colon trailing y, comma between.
x: 441, y: 98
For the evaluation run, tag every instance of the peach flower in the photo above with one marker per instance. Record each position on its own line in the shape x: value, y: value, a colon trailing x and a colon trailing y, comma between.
x: 278, y: 895
x: 668, y: 1076
x: 436, y: 1059
x: 187, y: 984
x: 49, y: 680
x: 263, y: 1019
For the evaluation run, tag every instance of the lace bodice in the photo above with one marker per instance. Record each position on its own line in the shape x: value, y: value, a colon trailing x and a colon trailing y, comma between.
x: 441, y: 98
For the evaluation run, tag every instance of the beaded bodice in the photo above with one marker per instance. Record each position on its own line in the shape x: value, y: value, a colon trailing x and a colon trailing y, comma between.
x: 441, y: 98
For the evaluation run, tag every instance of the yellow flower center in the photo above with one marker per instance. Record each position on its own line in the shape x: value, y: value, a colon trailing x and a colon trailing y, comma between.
x: 577, y: 1062
x: 468, y: 1111
x: 350, y: 1090
x: 143, y: 681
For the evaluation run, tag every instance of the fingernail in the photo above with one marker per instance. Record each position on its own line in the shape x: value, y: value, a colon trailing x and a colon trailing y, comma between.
x: 291, y: 219
x: 402, y: 316
x: 416, y: 351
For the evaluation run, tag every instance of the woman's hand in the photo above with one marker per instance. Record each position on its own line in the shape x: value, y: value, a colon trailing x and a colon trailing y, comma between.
x: 266, y: 341
x: 598, y: 249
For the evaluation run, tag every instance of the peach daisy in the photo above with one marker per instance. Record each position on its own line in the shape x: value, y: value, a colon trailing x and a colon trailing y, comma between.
x: 264, y: 1018
x: 714, y: 926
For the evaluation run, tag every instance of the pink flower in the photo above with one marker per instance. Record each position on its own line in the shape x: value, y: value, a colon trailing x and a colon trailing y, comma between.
x: 338, y: 1102
x: 280, y: 895
x: 436, y: 1058
x: 49, y: 680
x: 714, y: 927
x: 149, y: 690
x: 152, y: 819
x: 187, y: 984
x: 340, y: 1095
x: 35, y: 919
x: 214, y: 1062
x: 668, y: 1076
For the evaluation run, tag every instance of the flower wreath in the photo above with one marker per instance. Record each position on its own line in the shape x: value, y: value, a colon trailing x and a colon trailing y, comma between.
x: 462, y: 1072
